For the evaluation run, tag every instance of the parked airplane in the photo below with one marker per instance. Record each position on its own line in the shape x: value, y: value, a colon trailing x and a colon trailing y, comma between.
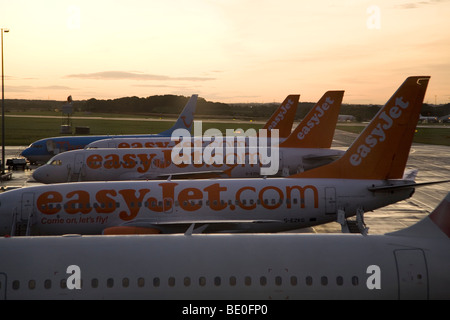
x: 297, y: 153
x: 282, y: 119
x: 412, y: 263
x: 368, y: 176
x: 42, y: 150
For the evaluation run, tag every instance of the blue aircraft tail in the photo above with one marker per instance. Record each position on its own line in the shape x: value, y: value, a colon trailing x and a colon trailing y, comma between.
x: 186, y: 118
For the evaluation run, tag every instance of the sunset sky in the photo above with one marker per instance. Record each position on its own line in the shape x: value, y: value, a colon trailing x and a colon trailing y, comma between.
x: 224, y: 50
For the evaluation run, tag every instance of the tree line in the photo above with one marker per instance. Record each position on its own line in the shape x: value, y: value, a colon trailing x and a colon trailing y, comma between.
x: 173, y: 104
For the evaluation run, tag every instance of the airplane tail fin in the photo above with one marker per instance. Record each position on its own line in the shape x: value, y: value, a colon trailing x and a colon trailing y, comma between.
x: 283, y: 118
x: 186, y: 118
x: 381, y: 150
x: 316, y: 130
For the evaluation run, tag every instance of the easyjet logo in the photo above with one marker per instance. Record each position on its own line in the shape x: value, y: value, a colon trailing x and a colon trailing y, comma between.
x: 280, y: 115
x: 378, y: 134
x: 315, y: 119
x: 128, y: 203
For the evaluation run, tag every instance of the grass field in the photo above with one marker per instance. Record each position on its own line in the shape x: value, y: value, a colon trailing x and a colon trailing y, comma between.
x: 23, y: 131
x: 428, y: 135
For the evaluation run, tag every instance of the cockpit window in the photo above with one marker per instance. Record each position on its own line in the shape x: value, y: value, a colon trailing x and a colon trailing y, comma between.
x: 55, y: 162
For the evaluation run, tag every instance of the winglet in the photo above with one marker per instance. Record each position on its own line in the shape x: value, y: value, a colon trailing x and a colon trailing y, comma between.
x: 283, y: 118
x: 186, y: 118
x: 381, y: 150
x: 316, y: 130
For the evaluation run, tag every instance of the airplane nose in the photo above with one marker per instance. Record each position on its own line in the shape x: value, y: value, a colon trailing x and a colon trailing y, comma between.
x: 40, y: 175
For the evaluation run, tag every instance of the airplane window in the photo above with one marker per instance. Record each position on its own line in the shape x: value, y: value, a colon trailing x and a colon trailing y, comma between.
x: 202, y: 281
x: 16, y: 285
x: 110, y: 282
x: 94, y: 283
x: 309, y: 281
x: 217, y: 281
x: 156, y: 282
x: 171, y: 282
x: 63, y: 284
x: 324, y: 281
x: 125, y: 282
x: 339, y: 281
x: 293, y: 280
x: 187, y: 281
x: 141, y: 282
x: 263, y: 281
x: 232, y: 281
x: 248, y: 281
x: 48, y: 284
x: 278, y: 281
x: 31, y: 284
x: 355, y: 280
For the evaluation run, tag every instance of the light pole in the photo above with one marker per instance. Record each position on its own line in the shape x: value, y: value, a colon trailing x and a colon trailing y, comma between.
x: 3, y: 107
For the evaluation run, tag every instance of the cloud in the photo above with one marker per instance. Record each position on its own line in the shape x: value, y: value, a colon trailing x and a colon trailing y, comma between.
x: 417, y: 4
x: 123, y: 75
x: 26, y: 88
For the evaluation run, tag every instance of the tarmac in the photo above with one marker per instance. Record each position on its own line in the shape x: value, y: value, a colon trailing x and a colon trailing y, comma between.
x: 432, y: 161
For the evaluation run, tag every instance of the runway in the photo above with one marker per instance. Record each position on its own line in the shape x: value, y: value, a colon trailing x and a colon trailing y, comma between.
x: 432, y: 161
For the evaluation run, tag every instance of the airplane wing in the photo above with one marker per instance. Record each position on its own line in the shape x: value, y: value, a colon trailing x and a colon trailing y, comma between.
x: 189, y: 174
x: 150, y: 226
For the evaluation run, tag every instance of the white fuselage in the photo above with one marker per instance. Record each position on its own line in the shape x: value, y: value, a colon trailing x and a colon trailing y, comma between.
x: 281, y: 203
x: 232, y: 267
x: 117, y: 164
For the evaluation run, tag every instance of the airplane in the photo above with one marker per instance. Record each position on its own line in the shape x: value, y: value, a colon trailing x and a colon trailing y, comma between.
x: 411, y: 263
x: 42, y: 150
x: 368, y: 176
x: 306, y: 147
x: 282, y: 119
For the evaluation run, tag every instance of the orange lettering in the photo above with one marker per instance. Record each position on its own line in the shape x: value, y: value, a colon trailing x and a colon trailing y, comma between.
x: 46, y: 200
x: 128, y: 161
x: 123, y: 145
x: 107, y: 204
x: 215, y: 202
x: 301, y: 191
x: 238, y: 198
x: 275, y: 202
x: 168, y: 191
x: 112, y: 161
x: 77, y: 205
x: 187, y: 195
x: 94, y: 161
x: 133, y: 203
x: 136, y: 145
x: 146, y: 161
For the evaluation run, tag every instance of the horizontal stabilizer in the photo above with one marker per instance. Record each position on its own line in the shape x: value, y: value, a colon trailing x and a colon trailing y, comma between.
x: 404, y: 186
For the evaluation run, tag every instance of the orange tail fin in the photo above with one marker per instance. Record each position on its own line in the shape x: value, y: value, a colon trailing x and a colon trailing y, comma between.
x: 283, y: 118
x: 316, y: 130
x: 381, y: 150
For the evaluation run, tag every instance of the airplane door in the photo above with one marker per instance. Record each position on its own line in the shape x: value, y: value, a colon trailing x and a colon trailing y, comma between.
x: 2, y: 286
x: 27, y: 205
x: 330, y: 200
x: 79, y: 160
x: 412, y: 274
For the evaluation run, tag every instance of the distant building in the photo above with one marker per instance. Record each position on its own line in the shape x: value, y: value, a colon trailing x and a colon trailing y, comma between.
x: 346, y: 118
